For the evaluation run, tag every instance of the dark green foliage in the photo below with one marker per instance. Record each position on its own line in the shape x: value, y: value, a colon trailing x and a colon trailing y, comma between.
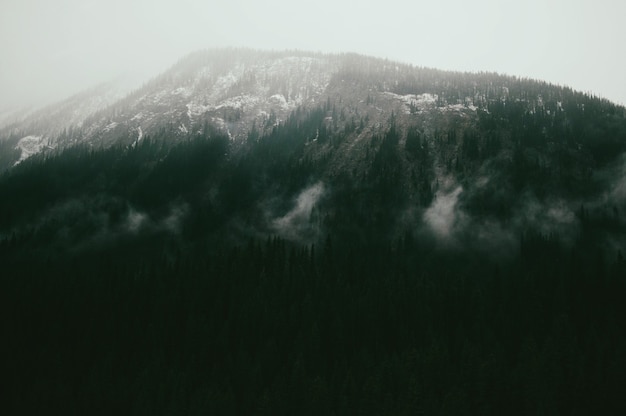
x: 279, y: 328
x: 8, y: 153
x: 147, y: 279
x: 414, y: 142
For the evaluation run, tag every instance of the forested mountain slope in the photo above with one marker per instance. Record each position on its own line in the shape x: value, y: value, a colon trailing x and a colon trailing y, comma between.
x: 287, y: 232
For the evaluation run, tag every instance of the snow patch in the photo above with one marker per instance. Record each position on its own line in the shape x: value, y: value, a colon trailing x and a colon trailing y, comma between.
x: 279, y: 99
x: 184, y: 91
x: 156, y: 98
x: 110, y: 126
x: 428, y: 102
x: 241, y: 102
x: 29, y: 146
x: 137, y: 116
x: 421, y: 102
x: 459, y: 107
x: 224, y: 82
x: 194, y: 109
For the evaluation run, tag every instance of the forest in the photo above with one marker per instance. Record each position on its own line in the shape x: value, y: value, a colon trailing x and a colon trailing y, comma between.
x: 207, y: 276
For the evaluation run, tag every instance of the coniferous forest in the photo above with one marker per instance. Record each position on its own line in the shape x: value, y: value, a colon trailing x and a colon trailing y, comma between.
x: 204, y: 275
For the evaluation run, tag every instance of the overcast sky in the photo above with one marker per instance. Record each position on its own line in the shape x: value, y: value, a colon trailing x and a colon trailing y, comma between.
x: 53, y: 49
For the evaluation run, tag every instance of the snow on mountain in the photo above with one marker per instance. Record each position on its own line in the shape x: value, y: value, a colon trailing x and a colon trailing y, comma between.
x: 241, y: 90
x: 31, y: 145
x: 417, y: 103
x: 230, y: 90
x: 34, y: 130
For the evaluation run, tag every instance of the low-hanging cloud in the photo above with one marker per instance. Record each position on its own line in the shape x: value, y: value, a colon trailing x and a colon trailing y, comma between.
x: 616, y: 176
x: 296, y: 224
x: 547, y: 217
x: 443, y: 215
x: 173, y: 222
x: 135, y: 220
x: 454, y: 226
x: 80, y: 224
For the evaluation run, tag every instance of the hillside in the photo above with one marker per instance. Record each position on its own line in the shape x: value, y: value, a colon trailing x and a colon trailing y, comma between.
x: 478, y: 156
x: 285, y: 232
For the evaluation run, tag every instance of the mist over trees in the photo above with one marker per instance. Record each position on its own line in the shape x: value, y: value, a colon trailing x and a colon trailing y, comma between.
x: 414, y: 242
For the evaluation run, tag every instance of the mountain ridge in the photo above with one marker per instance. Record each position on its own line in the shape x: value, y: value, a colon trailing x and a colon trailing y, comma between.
x: 389, y: 240
x: 455, y: 156
x: 215, y: 82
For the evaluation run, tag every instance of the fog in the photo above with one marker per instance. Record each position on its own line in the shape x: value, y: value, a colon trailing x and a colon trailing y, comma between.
x: 296, y: 225
x: 51, y: 50
x: 442, y: 215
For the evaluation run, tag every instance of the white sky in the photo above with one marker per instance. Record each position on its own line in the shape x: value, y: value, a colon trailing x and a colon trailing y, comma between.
x: 52, y: 49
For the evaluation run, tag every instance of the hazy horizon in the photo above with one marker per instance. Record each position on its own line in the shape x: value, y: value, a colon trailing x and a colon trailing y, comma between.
x: 54, y: 50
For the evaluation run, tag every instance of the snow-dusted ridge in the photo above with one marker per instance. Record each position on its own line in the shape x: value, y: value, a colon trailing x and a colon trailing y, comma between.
x: 428, y: 102
x: 31, y: 145
x: 235, y: 90
x: 230, y: 97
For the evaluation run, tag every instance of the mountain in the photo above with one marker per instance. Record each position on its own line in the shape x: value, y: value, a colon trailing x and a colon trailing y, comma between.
x: 280, y: 232
x: 28, y: 131
x: 464, y: 154
x: 228, y: 89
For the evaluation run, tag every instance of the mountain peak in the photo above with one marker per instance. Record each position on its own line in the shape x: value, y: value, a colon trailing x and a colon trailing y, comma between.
x: 325, y: 224
x: 238, y: 90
